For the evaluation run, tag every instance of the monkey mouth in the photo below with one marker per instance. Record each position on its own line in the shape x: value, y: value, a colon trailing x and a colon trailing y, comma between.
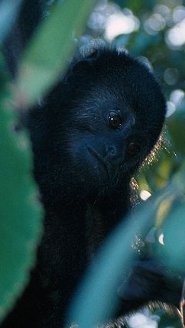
x: 100, y: 159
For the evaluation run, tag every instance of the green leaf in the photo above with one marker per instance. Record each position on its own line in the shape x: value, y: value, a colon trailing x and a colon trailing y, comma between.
x: 20, y: 223
x: 176, y: 125
x: 174, y: 235
x: 50, y: 49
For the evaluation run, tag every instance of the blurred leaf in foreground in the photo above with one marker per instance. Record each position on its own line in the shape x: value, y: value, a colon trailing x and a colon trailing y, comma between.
x: 50, y: 49
x: 20, y: 223
x: 116, y: 255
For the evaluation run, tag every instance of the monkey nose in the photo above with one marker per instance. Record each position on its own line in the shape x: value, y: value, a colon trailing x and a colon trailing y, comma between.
x: 114, y: 155
x: 111, y: 151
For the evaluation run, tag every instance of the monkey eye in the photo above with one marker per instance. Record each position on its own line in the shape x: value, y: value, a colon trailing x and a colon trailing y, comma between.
x: 133, y: 149
x: 115, y: 120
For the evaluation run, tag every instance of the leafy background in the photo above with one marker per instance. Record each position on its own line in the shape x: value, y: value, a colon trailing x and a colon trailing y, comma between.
x: 152, y: 30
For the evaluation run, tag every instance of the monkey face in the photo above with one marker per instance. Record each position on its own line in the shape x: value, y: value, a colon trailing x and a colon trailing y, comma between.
x: 98, y: 125
x: 106, y: 146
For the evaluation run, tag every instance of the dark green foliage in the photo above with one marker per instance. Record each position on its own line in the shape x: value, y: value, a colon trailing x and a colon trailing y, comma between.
x: 20, y: 225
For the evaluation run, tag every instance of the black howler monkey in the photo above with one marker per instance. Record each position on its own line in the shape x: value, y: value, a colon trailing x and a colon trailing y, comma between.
x: 93, y: 131
x: 90, y: 135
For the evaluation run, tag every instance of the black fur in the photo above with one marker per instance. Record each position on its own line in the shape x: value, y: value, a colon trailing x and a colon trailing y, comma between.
x: 89, y: 137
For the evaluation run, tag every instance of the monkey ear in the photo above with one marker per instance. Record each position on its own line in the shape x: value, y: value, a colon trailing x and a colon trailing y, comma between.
x: 146, y: 63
